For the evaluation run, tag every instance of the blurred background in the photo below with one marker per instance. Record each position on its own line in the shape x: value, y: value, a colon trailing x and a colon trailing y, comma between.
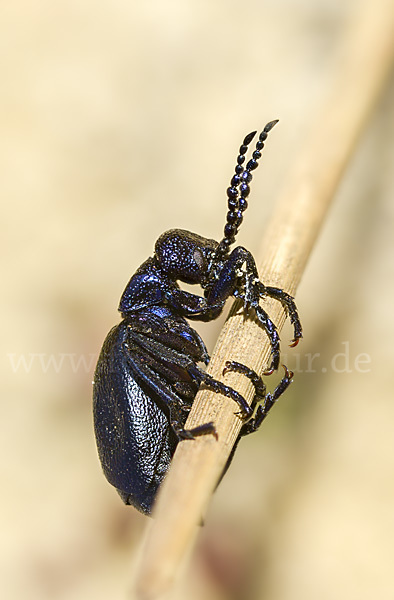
x: 118, y: 121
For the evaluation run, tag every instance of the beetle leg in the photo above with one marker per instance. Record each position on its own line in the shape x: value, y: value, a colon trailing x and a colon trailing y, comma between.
x: 174, y: 359
x: 182, y: 329
x: 228, y: 282
x: 177, y: 411
x: 191, y: 434
x: 288, y: 303
x: 260, y: 394
x: 194, y: 307
x: 162, y: 354
x: 183, y: 361
x: 270, y: 330
x: 221, y: 388
x: 177, y: 379
x: 250, y: 292
x: 143, y: 368
x: 258, y: 384
x: 176, y: 334
x: 273, y: 335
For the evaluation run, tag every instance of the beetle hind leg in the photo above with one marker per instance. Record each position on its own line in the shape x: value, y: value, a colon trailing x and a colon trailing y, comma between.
x: 191, y: 434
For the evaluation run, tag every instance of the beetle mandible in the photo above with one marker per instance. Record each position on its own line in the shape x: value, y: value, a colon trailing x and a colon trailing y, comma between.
x: 147, y: 374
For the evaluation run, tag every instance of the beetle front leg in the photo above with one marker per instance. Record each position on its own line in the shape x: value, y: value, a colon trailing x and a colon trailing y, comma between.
x: 192, y: 306
x: 272, y: 333
x: 249, y: 292
x: 288, y: 303
x: 232, y: 275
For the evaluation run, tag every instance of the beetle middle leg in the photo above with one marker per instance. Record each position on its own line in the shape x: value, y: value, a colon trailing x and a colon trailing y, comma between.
x: 267, y: 399
x: 175, y: 377
x: 222, y: 388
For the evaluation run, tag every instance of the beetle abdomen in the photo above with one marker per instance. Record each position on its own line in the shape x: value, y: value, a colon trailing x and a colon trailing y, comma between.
x: 134, y: 438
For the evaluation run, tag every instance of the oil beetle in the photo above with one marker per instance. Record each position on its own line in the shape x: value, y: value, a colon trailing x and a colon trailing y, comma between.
x: 147, y: 374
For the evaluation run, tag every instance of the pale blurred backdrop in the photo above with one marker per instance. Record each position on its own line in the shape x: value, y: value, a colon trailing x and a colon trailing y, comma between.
x: 120, y: 120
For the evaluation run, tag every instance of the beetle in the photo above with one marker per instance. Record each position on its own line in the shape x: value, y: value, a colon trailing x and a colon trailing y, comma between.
x: 148, y: 372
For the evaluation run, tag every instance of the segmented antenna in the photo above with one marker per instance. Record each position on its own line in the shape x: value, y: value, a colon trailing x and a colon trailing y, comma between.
x: 239, y: 188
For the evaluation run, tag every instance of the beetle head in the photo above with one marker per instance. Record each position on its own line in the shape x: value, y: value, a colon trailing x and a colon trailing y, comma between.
x: 185, y: 256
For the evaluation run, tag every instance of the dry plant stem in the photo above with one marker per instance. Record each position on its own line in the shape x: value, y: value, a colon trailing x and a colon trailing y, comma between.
x: 364, y: 63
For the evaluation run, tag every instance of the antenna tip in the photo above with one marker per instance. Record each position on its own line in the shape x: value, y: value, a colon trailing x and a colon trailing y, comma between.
x: 249, y: 138
x: 270, y: 125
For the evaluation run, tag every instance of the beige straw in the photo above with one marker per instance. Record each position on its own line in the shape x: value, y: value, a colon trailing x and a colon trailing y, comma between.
x: 364, y: 62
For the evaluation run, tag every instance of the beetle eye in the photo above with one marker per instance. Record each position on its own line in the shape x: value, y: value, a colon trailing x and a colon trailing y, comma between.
x: 199, y: 259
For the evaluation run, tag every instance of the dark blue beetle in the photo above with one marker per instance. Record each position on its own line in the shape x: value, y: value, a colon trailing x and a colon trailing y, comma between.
x: 147, y: 374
